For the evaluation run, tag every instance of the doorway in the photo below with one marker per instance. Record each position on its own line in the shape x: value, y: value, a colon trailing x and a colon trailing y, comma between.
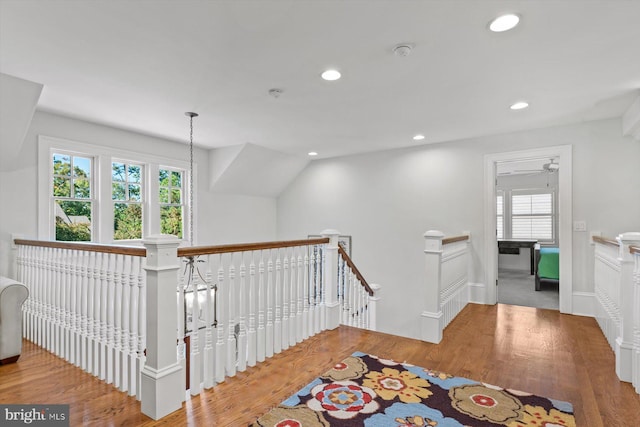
x: 564, y: 204
x: 527, y: 213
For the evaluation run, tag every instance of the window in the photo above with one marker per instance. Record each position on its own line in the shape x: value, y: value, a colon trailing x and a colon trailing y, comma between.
x: 126, y: 193
x: 526, y: 214
x: 532, y: 216
x: 171, y: 198
x: 500, y: 215
x: 72, y: 191
x: 101, y: 194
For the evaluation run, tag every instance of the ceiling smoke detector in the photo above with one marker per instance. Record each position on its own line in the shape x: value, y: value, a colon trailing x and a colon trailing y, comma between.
x: 402, y: 49
x: 275, y: 92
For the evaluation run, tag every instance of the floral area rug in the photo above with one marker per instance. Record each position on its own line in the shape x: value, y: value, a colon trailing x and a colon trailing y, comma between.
x: 364, y: 390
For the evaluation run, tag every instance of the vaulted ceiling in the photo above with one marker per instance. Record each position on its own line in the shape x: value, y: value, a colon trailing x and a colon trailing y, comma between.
x: 140, y: 65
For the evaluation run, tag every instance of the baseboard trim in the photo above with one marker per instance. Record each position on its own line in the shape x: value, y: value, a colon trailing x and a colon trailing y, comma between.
x: 477, y: 293
x: 583, y: 304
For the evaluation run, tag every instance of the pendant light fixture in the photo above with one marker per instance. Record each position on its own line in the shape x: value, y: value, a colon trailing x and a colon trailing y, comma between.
x: 192, y: 288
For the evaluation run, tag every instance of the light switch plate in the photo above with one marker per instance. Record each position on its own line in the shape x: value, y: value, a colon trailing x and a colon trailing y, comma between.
x: 579, y: 226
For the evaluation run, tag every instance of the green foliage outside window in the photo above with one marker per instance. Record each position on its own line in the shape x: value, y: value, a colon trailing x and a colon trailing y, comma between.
x: 73, y: 194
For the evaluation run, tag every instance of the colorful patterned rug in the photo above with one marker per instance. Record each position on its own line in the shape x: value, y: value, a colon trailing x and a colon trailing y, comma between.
x: 364, y: 390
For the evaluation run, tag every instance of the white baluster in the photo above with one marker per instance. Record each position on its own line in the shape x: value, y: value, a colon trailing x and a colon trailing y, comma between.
x: 110, y: 321
x: 277, y: 328
x: 221, y: 311
x: 286, y: 296
x: 104, y: 296
x: 81, y: 317
x: 262, y: 304
x: 97, y: 315
x: 306, y: 330
x: 293, y: 299
x: 269, y: 336
x: 231, y: 338
x: 134, y: 368
x: 208, y: 353
x: 300, y: 283
x: 242, y: 315
x: 251, y: 335
x: 124, y: 324
x: 116, y: 322
x: 57, y: 301
x: 76, y: 305
x: 92, y: 285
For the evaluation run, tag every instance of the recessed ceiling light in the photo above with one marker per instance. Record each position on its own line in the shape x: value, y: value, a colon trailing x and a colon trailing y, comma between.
x: 519, y: 105
x: 331, y: 75
x: 312, y: 153
x: 418, y: 137
x: 504, y: 23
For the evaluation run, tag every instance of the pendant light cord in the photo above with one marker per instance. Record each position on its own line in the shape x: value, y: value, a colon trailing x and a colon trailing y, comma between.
x: 191, y: 116
x: 191, y: 181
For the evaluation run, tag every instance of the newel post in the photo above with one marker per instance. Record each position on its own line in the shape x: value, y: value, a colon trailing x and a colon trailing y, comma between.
x: 373, y: 306
x: 624, y: 343
x: 161, y: 381
x: 330, y: 280
x: 431, y: 317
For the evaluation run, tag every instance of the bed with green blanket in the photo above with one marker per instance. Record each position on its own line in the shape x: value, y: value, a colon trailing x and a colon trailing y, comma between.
x: 547, y: 266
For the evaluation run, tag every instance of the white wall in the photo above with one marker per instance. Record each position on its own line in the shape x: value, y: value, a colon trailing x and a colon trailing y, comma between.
x: 220, y: 218
x: 387, y: 200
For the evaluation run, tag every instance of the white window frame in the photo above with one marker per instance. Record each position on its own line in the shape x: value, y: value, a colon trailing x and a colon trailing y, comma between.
x: 102, y: 221
x: 507, y: 220
x: 92, y: 185
x: 143, y: 195
x: 183, y: 198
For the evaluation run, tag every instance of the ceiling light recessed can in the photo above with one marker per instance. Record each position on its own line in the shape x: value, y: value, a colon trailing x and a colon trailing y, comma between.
x: 418, y: 137
x: 312, y: 153
x: 331, y: 75
x: 519, y: 105
x: 504, y: 23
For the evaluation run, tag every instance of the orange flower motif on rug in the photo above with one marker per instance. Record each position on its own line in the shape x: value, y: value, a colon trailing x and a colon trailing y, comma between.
x: 538, y: 416
x: 391, y: 383
x: 485, y: 403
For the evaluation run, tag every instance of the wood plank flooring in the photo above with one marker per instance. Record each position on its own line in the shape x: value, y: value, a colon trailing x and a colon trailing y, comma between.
x: 540, y: 351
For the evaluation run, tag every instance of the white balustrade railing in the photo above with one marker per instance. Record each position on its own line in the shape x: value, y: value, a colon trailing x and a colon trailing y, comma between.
x: 242, y: 304
x: 358, y: 300
x: 116, y: 311
x: 446, y: 282
x: 614, y: 297
x: 86, y: 305
x: 635, y: 358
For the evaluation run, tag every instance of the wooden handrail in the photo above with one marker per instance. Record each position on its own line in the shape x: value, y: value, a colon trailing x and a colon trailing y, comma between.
x: 245, y: 247
x: 448, y: 240
x: 353, y: 267
x: 606, y: 241
x: 82, y: 246
x: 634, y: 249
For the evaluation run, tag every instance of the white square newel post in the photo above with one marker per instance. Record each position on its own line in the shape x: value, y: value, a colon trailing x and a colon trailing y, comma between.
x: 431, y: 325
x: 330, y: 279
x: 161, y: 381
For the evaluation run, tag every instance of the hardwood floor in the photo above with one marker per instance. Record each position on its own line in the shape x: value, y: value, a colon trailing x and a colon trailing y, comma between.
x: 540, y: 351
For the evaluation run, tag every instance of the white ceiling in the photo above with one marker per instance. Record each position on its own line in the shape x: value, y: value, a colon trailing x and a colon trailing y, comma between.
x: 140, y: 65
